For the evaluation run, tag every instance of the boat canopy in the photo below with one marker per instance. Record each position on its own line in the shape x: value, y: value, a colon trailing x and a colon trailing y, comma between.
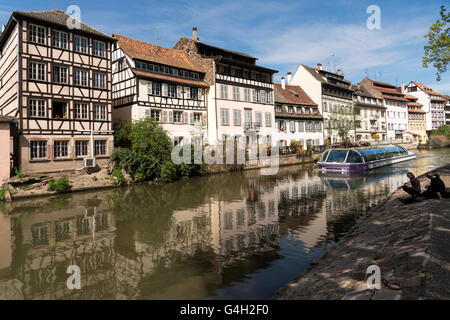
x: 362, y: 155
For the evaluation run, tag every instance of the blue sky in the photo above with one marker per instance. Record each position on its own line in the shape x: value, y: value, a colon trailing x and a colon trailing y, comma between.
x: 281, y: 34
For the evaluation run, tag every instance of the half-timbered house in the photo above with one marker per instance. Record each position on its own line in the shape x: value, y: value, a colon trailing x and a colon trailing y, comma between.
x: 162, y: 83
x: 240, y: 96
x: 56, y: 81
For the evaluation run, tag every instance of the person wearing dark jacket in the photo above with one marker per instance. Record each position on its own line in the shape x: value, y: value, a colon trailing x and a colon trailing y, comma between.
x: 414, y: 190
x: 436, y: 189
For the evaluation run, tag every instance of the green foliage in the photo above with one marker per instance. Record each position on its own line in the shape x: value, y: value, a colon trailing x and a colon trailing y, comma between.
x: 122, y: 133
x: 2, y: 193
x: 19, y: 173
x: 437, y: 52
x: 120, y: 177
x: 149, y: 151
x: 59, y: 185
x: 443, y: 130
x: 169, y: 171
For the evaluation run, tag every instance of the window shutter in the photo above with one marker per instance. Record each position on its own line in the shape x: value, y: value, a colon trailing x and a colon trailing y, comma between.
x: 165, y: 89
x: 170, y: 116
x: 179, y: 92
x: 164, y: 117
x: 149, y: 87
x: 192, y: 118
x: 186, y: 117
x: 187, y: 90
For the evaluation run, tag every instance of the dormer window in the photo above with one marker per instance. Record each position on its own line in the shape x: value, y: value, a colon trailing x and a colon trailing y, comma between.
x: 278, y: 109
x: 290, y: 109
x: 299, y: 110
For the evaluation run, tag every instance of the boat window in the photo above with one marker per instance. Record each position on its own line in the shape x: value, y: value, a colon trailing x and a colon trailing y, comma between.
x: 324, y: 156
x: 354, y: 157
x: 337, y: 156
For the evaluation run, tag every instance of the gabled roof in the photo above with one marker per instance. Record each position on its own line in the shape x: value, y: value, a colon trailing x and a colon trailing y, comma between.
x: 149, y: 52
x: 426, y: 88
x: 360, y: 90
x: 58, y: 17
x: 292, y: 95
x: 315, y: 74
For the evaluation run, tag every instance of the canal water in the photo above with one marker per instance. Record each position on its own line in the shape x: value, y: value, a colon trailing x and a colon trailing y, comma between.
x: 227, y: 236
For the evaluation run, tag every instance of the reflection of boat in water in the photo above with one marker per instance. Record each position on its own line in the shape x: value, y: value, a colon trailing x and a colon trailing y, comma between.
x: 360, y: 159
x: 355, y: 179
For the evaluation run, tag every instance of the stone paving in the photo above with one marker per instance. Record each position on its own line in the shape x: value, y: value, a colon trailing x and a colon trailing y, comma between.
x: 394, y: 236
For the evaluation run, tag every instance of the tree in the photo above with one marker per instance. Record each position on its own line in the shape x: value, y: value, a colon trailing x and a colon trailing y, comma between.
x: 437, y: 52
x: 342, y: 120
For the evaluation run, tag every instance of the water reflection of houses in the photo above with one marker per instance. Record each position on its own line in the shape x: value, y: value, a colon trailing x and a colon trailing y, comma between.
x: 46, y: 242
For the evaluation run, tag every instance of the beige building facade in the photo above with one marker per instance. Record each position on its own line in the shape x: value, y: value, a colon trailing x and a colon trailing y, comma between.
x: 57, y: 84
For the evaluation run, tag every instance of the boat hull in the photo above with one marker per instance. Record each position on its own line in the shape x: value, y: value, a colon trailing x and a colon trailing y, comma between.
x: 331, y: 166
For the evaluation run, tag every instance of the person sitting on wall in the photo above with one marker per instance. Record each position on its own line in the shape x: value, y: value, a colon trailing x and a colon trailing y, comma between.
x: 414, y: 190
x: 436, y: 188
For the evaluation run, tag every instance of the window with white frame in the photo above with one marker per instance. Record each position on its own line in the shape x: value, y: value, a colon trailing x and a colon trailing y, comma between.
x: 36, y: 34
x: 197, y: 118
x: 98, y: 48
x: 81, y: 148
x: 37, y: 71
x: 194, y: 93
x: 38, y: 149
x: 99, y: 80
x: 59, y: 39
x: 36, y: 108
x: 237, y: 117
x: 247, y: 94
x: 308, y: 126
x: 301, y: 126
x: 80, y: 44
x: 61, y: 149
x: 258, y: 118
x: 172, y: 91
x: 60, y: 74
x: 155, y: 114
x: 99, y: 112
x: 80, y: 111
x: 100, y: 147
x: 268, y: 119
x: 225, y: 117
x: 224, y: 91
x: 177, y: 117
x: 80, y: 77
x: 236, y: 93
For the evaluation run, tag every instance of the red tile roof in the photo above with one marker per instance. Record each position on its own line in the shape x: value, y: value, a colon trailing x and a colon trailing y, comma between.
x: 149, y: 75
x: 141, y: 50
x: 426, y: 88
x: 410, y: 97
x: 292, y: 94
x: 394, y: 98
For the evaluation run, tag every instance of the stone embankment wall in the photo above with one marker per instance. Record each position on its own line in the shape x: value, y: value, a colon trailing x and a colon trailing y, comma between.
x: 402, y: 240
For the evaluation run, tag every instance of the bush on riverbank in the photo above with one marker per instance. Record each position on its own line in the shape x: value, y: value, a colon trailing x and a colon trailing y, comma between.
x: 3, y: 193
x: 443, y: 130
x: 149, y: 151
x: 59, y: 185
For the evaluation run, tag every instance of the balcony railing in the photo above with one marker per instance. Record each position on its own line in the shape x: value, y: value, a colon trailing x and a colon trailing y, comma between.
x: 256, y: 126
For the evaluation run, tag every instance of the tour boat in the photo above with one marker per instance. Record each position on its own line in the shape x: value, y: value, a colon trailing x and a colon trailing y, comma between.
x: 363, y: 158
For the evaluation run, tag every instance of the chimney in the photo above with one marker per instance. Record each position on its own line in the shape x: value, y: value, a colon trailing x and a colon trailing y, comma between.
x: 289, y: 77
x: 403, y: 87
x: 339, y: 71
x: 319, y: 66
x: 283, y: 83
x: 194, y: 34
